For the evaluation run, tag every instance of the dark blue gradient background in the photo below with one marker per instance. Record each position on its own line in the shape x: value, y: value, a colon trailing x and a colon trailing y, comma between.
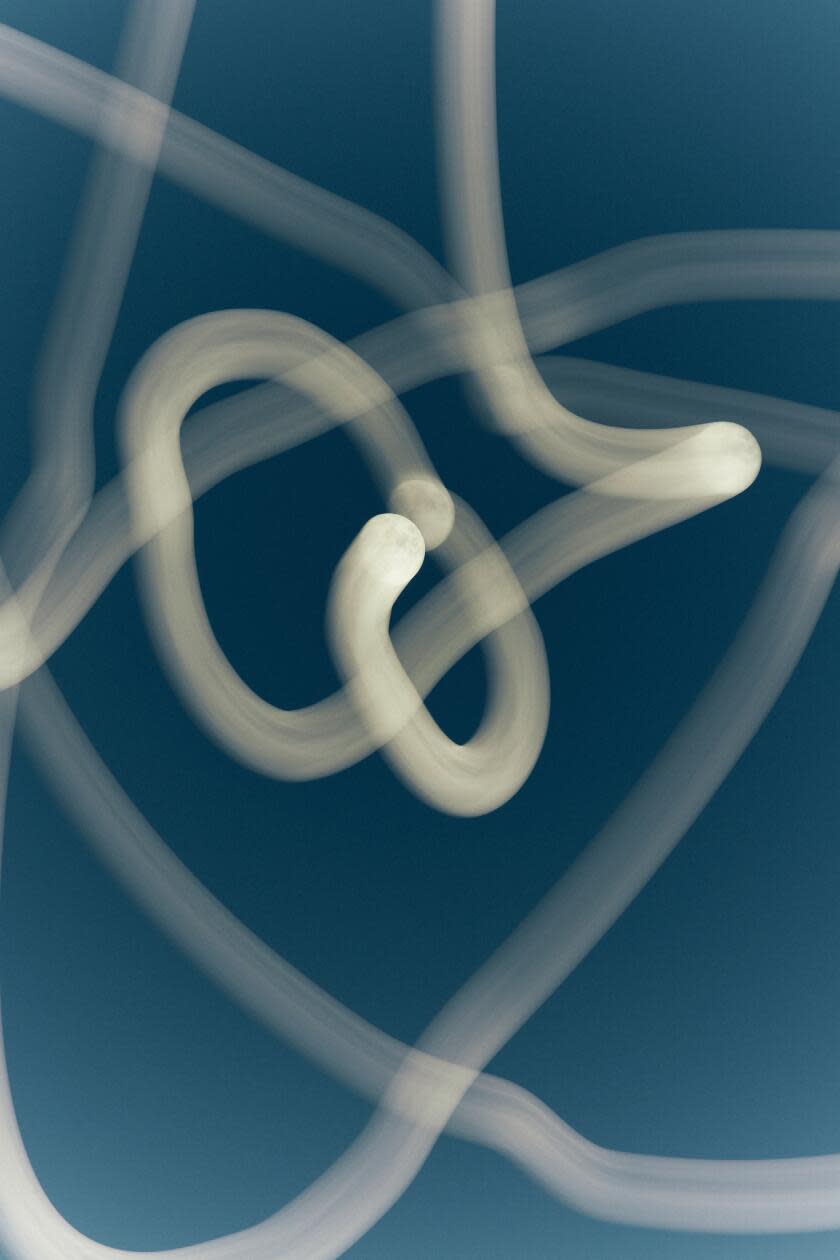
x: 705, y: 1023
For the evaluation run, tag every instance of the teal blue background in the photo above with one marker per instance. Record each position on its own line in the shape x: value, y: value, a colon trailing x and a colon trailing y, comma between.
x: 705, y: 1023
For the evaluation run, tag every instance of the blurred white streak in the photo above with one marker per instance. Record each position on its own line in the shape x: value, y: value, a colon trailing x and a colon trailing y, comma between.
x: 557, y: 308
x: 554, y: 309
x: 638, y: 482
x: 480, y: 775
x: 719, y: 461
x: 113, y: 202
x: 306, y: 743
x: 792, y: 435
x: 750, y: 1196
x: 240, y: 182
x: 505, y: 376
x: 229, y: 436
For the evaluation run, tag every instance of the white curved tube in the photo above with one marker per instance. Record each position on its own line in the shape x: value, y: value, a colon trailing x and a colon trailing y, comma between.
x: 57, y: 494
x: 673, y: 1193
x: 716, y: 462
x: 556, y: 308
x: 307, y: 743
x: 480, y: 775
x: 792, y: 435
x: 565, y: 445
x: 691, y: 267
x: 85, y: 98
x: 505, y: 377
x: 680, y: 476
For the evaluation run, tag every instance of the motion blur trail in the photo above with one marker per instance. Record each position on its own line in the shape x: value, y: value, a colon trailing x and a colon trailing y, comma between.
x: 699, y: 447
